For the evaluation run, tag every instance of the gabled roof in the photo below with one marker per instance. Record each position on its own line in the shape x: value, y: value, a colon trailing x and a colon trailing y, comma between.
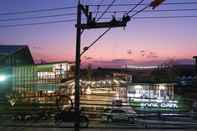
x: 10, y: 49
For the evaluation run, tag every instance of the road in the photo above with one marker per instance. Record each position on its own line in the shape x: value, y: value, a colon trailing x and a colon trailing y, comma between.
x: 7, y: 124
x: 16, y: 125
x: 93, y: 102
x: 98, y: 129
x: 89, y: 129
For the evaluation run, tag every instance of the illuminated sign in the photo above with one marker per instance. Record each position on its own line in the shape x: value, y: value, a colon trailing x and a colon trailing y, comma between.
x: 158, y: 105
x: 155, y: 103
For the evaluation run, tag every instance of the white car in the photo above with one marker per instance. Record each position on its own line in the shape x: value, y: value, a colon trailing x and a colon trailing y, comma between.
x: 118, y: 115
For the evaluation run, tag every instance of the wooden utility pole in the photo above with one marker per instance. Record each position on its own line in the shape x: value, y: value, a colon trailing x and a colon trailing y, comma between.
x: 77, y: 71
x: 91, y: 24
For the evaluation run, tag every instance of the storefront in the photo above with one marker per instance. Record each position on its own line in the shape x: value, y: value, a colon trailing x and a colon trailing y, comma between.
x: 155, y: 97
x: 50, y: 71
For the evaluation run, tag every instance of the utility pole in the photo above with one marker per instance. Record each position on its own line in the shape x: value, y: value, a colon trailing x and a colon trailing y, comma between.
x: 77, y: 69
x: 91, y: 24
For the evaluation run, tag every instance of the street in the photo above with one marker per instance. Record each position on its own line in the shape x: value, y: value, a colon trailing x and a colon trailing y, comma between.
x: 15, y: 125
x: 94, y: 106
x: 99, y: 129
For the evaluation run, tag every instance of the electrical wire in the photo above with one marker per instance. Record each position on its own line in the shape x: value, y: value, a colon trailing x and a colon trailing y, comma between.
x: 37, y: 17
x: 163, y: 10
x: 166, y: 17
x: 86, y: 48
x: 37, y: 11
x: 134, y: 7
x: 160, y: 10
x: 155, y: 17
x: 73, y: 7
x: 137, y: 12
x: 113, y: 1
x: 98, y: 7
x: 71, y: 20
x: 74, y: 14
x: 39, y: 23
x: 130, y: 4
x: 106, y: 18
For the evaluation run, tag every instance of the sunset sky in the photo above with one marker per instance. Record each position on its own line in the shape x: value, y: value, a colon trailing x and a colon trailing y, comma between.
x: 143, y: 41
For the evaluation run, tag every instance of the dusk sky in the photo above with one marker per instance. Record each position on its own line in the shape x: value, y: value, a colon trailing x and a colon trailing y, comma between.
x: 143, y: 41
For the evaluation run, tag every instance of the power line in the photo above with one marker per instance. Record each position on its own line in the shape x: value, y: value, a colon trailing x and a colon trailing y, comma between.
x: 39, y: 10
x: 158, y: 17
x: 161, y: 10
x: 169, y: 10
x: 139, y: 11
x: 37, y: 17
x: 86, y: 48
x: 73, y: 20
x: 73, y: 14
x: 135, y: 7
x: 166, y: 17
x: 73, y: 7
x: 130, y: 4
x: 113, y: 1
x: 39, y: 23
x: 98, y: 7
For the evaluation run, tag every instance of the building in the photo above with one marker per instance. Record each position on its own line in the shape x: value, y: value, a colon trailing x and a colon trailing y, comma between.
x: 61, y: 70
x: 45, y: 77
x: 10, y: 56
x: 18, y: 72
x: 152, y: 97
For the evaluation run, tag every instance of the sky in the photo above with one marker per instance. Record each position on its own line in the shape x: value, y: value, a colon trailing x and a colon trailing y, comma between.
x: 141, y: 42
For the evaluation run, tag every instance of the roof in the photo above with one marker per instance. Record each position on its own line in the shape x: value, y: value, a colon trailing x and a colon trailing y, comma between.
x: 55, y: 62
x: 10, y: 49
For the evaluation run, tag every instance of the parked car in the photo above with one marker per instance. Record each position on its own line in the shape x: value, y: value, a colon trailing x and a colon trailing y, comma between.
x: 69, y: 116
x: 118, y: 115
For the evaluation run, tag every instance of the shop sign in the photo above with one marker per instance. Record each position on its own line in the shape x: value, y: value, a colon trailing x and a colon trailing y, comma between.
x: 159, y: 105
